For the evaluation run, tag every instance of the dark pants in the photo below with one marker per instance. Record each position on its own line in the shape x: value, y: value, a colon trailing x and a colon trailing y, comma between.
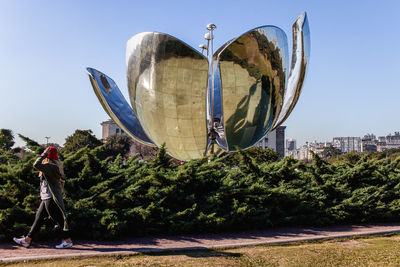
x: 49, y: 208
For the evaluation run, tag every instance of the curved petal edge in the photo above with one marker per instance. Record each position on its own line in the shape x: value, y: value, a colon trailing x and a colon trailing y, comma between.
x: 298, y: 66
x: 116, y: 106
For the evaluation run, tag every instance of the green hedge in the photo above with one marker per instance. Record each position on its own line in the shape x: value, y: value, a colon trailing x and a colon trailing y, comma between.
x: 107, y: 198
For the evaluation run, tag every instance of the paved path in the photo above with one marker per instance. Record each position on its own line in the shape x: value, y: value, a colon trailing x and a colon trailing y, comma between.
x: 10, y: 252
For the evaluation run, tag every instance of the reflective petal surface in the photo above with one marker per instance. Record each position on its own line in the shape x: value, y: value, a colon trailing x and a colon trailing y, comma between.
x: 252, y: 89
x: 167, y: 81
x: 250, y: 80
x: 218, y: 109
x: 116, y: 106
x: 298, y: 66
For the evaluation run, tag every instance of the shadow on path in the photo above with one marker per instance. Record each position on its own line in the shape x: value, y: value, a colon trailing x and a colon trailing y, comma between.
x: 201, y: 245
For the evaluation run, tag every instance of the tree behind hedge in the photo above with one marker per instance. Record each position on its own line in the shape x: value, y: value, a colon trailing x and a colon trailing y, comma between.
x: 6, y: 139
x: 80, y: 139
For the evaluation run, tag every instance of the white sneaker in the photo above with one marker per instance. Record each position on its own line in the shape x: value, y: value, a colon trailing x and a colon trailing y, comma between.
x: 65, y: 244
x: 21, y: 241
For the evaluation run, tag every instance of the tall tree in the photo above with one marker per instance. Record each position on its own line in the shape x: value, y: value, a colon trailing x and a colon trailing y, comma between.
x: 80, y: 139
x: 6, y: 139
x: 330, y: 152
x: 31, y: 144
x: 117, y: 145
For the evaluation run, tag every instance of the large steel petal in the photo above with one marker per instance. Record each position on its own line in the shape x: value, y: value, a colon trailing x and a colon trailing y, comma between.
x: 167, y: 82
x: 250, y: 79
x: 116, y: 106
x: 298, y: 66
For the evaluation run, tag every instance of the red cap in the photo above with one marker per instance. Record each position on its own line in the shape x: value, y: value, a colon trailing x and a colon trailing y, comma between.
x: 52, y: 153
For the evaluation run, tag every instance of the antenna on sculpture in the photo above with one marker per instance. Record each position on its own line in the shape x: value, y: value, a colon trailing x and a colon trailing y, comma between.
x: 209, y: 37
x: 211, y: 129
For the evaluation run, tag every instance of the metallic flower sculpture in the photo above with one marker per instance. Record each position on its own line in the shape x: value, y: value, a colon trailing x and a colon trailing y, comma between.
x: 232, y: 98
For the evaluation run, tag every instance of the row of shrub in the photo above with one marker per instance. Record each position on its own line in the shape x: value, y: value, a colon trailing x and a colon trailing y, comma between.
x: 111, y: 198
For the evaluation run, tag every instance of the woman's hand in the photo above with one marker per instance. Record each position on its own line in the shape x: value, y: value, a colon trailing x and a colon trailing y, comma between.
x: 46, y: 151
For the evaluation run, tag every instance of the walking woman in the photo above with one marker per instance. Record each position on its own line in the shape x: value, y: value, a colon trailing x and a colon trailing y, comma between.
x: 51, y: 186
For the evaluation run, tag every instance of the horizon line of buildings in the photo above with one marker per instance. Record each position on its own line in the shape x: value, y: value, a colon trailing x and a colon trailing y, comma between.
x: 276, y: 141
x: 368, y: 143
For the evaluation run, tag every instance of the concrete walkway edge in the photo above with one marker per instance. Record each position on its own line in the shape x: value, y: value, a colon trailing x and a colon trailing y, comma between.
x: 298, y: 236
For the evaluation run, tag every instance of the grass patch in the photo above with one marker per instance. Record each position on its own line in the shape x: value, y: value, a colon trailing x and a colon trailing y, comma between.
x: 355, y: 251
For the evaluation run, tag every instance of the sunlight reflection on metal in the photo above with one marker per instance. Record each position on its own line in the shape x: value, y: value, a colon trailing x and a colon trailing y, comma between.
x: 252, y: 79
x: 167, y: 81
x: 300, y: 60
x: 116, y: 106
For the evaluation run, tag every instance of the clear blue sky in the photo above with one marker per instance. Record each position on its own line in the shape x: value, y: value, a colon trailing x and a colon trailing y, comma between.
x: 352, y: 86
